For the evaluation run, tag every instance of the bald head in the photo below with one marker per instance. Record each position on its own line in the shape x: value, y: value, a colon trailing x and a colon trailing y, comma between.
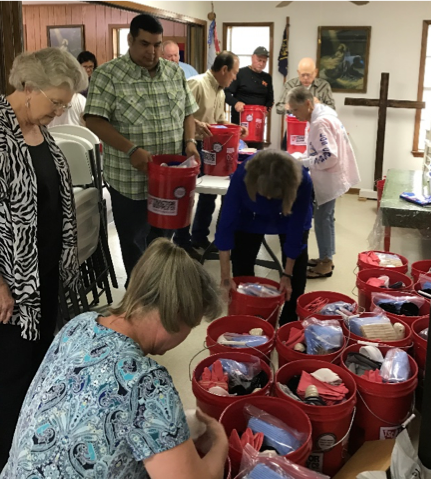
x: 307, y: 71
x: 171, y: 51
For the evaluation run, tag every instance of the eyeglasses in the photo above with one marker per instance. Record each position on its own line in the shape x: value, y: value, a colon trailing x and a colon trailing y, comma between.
x: 57, y: 105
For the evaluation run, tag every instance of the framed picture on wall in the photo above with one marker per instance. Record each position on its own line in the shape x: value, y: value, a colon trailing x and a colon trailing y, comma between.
x: 342, y: 57
x: 67, y: 37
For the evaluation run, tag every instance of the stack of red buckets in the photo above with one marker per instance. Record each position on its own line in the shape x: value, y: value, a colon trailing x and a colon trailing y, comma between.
x: 371, y: 410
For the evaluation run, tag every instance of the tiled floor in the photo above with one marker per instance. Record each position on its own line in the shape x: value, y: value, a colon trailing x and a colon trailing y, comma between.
x: 354, y: 221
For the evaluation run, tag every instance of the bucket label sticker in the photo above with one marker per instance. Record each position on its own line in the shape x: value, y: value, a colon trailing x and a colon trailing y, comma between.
x: 163, y: 207
x: 297, y: 140
x: 244, y: 123
x: 315, y: 461
x: 389, y: 432
x: 326, y: 441
x: 230, y: 150
x: 258, y: 120
x: 210, y: 158
x: 249, y: 117
x: 180, y: 192
x: 217, y: 147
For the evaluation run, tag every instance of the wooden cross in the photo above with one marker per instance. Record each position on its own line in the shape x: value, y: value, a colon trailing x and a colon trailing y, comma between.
x: 383, y: 103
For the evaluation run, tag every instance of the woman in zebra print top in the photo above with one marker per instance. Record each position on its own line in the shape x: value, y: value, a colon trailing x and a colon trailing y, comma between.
x: 38, y: 242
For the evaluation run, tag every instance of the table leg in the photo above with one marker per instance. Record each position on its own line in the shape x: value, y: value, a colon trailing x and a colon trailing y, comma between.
x: 387, y: 239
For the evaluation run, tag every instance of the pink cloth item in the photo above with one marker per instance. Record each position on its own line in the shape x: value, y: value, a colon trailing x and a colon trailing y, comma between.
x: 215, y: 377
x: 374, y: 376
x: 255, y: 440
x: 329, y: 393
x: 296, y: 335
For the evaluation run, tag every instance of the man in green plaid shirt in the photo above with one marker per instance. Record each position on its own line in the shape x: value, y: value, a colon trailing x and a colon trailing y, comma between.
x: 139, y: 105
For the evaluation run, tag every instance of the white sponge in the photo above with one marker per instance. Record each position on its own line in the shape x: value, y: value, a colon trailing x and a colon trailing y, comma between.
x: 197, y: 428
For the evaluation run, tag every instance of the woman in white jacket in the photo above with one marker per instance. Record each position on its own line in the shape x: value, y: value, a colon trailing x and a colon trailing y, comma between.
x: 333, y: 170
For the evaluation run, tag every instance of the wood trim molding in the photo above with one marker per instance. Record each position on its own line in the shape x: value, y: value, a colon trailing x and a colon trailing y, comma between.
x: 138, y: 8
x: 353, y: 191
x: 425, y: 26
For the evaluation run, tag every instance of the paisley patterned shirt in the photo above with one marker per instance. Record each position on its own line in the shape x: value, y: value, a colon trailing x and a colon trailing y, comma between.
x: 96, y: 409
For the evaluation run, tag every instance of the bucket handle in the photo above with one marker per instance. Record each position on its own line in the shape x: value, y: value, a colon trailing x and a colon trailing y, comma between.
x: 410, y: 415
x: 225, y: 143
x: 327, y: 449
x: 206, y: 348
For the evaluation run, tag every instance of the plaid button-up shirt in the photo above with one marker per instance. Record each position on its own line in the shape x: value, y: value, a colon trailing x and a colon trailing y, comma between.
x: 150, y: 112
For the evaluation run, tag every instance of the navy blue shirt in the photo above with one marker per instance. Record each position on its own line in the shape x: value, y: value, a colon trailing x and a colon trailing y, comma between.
x: 263, y: 216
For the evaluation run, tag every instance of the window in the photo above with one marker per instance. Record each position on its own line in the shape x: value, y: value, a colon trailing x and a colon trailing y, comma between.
x: 119, y: 40
x: 423, y: 117
x: 242, y: 39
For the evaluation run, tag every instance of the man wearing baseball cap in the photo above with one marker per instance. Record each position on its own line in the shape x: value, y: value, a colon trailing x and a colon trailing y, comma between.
x: 252, y: 86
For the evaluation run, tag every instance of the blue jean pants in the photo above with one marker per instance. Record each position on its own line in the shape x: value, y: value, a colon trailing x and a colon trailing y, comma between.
x: 325, y: 229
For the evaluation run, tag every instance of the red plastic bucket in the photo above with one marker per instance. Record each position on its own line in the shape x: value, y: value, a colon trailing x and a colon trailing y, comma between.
x: 295, y: 135
x: 365, y: 290
x: 305, y: 299
x: 404, y: 343
x: 420, y: 267
x: 214, y: 405
x: 220, y: 153
x: 424, y: 310
x: 400, y: 269
x: 381, y: 407
x: 380, y: 187
x: 420, y: 344
x: 330, y: 424
x: 286, y: 354
x: 170, y: 192
x: 265, y: 308
x: 233, y: 418
x: 240, y: 324
x: 253, y: 118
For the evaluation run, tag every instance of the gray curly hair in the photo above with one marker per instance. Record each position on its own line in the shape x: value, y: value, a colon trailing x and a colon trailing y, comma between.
x: 48, y: 68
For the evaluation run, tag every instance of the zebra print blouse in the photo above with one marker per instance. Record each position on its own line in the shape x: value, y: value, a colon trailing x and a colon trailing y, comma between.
x: 18, y: 222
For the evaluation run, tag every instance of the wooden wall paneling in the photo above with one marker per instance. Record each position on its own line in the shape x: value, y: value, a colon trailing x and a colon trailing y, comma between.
x: 43, y: 22
x: 68, y: 12
x: 77, y: 15
x: 180, y: 29
x: 36, y: 29
x: 102, y: 34
x: 91, y: 40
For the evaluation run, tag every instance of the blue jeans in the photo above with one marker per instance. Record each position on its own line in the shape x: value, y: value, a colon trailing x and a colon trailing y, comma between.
x: 325, y: 229
x: 203, y: 217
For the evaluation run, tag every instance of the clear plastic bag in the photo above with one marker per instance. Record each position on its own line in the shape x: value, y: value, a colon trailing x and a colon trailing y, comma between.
x: 254, y: 466
x: 259, y: 290
x: 337, y: 308
x: 424, y: 281
x: 235, y: 369
x: 236, y: 340
x: 396, y: 366
x: 189, y: 163
x: 355, y: 323
x: 424, y: 334
x: 322, y: 337
x: 397, y: 304
x: 278, y: 435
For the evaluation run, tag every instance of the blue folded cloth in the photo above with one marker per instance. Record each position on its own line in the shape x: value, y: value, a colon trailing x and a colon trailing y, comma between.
x: 280, y: 439
x: 250, y: 341
x: 321, y: 339
x: 264, y: 472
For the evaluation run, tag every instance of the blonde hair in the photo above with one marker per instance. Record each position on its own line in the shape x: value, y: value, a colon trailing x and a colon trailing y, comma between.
x: 274, y: 174
x: 166, y: 279
x: 48, y: 68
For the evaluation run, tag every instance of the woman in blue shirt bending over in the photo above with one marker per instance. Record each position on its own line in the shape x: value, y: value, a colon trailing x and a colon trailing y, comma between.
x: 100, y: 408
x: 268, y: 194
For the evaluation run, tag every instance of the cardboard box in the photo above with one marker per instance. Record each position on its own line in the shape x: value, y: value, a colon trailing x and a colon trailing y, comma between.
x: 372, y: 456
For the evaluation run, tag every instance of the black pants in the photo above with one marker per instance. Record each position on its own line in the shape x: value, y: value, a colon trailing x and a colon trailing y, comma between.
x: 20, y: 360
x: 134, y: 232
x: 243, y: 260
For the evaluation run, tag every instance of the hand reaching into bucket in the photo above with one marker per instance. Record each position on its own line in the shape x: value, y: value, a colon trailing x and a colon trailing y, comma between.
x: 202, y: 129
x: 244, y: 132
x: 214, y: 437
x: 286, y: 287
x: 239, y: 106
x: 140, y: 159
x: 191, y: 150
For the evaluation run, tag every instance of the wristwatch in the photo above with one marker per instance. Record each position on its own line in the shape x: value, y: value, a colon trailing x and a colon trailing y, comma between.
x: 191, y: 140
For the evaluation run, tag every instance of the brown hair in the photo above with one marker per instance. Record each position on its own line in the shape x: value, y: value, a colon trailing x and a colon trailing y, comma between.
x: 166, y: 279
x: 274, y: 174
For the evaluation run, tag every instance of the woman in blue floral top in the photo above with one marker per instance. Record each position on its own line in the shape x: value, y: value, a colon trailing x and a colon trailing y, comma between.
x: 99, y: 408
